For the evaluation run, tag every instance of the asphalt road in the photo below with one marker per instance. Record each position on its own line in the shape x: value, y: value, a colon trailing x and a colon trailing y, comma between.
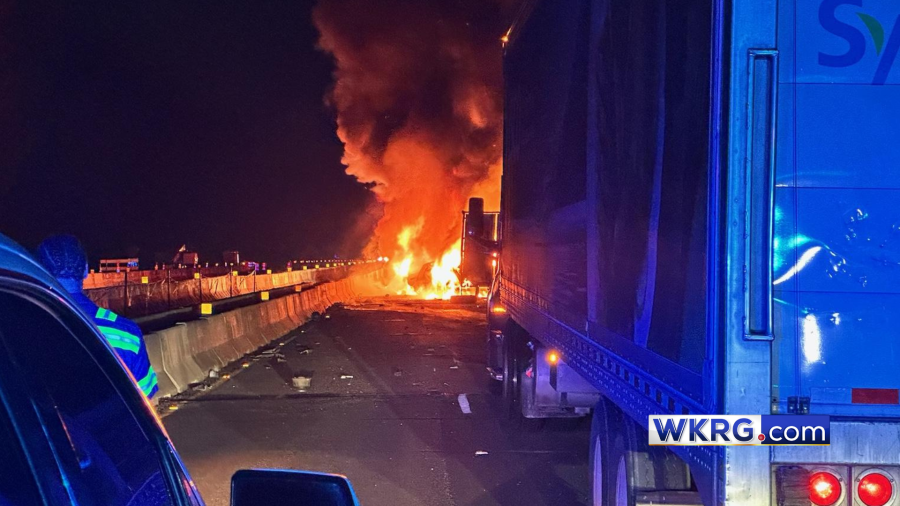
x: 383, y: 408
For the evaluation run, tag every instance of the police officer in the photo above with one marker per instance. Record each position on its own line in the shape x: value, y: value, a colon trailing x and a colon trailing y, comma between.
x: 65, y: 259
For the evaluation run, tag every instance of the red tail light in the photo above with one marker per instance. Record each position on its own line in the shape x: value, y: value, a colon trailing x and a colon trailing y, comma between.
x: 824, y: 488
x: 875, y: 489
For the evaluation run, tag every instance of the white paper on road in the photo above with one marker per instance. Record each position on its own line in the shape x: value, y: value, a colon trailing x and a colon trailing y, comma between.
x: 464, y: 404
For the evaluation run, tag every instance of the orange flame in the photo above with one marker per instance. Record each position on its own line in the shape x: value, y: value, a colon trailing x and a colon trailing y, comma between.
x: 421, y: 124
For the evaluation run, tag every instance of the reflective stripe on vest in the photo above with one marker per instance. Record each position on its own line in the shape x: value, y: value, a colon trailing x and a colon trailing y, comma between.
x: 120, y: 339
x: 106, y: 314
x: 148, y: 382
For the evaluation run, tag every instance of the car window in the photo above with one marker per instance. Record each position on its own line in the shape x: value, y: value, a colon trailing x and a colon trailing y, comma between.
x: 187, y: 484
x: 17, y: 484
x: 115, y: 463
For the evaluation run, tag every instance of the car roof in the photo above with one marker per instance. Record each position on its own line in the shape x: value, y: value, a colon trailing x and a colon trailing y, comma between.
x: 16, y: 259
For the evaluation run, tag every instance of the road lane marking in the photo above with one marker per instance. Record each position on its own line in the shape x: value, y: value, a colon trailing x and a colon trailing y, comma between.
x: 464, y: 404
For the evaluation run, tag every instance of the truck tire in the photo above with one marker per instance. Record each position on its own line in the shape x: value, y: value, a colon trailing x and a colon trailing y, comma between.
x: 599, y: 451
x: 615, y: 463
x: 511, y: 370
x: 517, y: 357
x: 622, y: 471
x: 624, y: 465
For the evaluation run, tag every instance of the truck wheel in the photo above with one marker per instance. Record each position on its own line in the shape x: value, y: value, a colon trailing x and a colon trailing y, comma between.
x: 618, y: 459
x: 511, y: 367
x: 634, y: 468
x: 604, y: 415
x: 495, y: 362
x: 622, y: 473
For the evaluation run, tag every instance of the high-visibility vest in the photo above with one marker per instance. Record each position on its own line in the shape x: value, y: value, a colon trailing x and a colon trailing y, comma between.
x: 126, y: 338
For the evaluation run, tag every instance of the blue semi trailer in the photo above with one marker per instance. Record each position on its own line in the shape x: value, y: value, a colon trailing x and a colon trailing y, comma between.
x: 700, y: 214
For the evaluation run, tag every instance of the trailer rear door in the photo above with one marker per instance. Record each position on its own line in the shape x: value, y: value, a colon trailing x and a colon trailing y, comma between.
x: 837, y: 209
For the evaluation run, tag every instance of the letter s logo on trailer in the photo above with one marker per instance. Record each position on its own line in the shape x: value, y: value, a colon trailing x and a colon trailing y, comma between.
x: 884, y: 44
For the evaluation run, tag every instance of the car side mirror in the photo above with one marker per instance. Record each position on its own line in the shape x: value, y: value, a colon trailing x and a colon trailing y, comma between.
x: 264, y: 487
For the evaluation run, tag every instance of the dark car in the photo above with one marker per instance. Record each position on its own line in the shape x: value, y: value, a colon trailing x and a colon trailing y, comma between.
x: 74, y: 427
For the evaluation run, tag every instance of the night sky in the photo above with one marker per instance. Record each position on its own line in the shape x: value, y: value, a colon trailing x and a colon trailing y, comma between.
x: 139, y: 126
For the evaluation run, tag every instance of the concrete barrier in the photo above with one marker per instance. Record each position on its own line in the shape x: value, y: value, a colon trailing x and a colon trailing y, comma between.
x: 176, y: 360
x: 184, y: 354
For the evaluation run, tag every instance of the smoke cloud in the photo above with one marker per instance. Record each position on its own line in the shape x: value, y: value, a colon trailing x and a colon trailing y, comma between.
x: 418, y: 99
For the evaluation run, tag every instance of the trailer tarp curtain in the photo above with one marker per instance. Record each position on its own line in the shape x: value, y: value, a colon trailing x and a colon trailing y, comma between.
x: 653, y: 77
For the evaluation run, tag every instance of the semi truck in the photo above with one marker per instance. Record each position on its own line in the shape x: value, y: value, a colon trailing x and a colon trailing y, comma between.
x: 699, y: 215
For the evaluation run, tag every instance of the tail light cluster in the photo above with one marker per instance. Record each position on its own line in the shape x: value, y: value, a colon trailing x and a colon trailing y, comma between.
x: 824, y: 488
x: 875, y: 489
x: 830, y: 486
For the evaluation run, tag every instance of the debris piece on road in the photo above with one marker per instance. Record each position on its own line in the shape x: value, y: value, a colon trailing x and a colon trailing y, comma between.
x: 301, y: 382
x: 280, y: 360
x: 464, y: 404
x: 480, y: 453
x: 346, y: 376
x: 454, y: 367
x: 303, y: 350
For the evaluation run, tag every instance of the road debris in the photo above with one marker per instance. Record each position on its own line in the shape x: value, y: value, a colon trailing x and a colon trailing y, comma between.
x: 200, y: 387
x: 464, y: 404
x: 346, y: 376
x: 454, y: 367
x: 480, y: 453
x: 301, y: 382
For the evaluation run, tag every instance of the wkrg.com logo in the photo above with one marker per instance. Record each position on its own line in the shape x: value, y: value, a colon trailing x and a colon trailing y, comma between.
x: 723, y: 430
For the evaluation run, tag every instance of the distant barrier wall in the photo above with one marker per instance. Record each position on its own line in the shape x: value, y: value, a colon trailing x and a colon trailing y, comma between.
x: 173, y: 289
x: 185, y: 354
